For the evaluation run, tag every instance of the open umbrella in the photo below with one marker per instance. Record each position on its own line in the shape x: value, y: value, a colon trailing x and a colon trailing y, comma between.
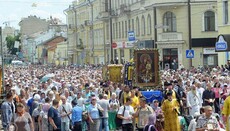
x: 47, y: 77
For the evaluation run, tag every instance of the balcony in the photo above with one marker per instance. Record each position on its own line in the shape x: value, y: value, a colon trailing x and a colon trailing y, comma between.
x: 103, y: 14
x: 170, y: 36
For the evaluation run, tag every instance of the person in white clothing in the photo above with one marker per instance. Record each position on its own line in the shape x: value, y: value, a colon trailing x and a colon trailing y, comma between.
x: 192, y: 124
x: 128, y: 115
x: 65, y: 111
x: 200, y: 90
x: 193, y: 100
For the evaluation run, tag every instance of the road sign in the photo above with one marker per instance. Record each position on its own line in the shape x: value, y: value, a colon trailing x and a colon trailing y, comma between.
x: 221, y: 44
x: 114, y: 45
x: 189, y: 54
x: 131, y: 36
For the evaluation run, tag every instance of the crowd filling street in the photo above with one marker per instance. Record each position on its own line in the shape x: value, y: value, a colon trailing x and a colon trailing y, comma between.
x: 64, y: 98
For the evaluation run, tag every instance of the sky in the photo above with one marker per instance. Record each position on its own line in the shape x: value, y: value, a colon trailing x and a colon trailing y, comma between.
x: 14, y: 10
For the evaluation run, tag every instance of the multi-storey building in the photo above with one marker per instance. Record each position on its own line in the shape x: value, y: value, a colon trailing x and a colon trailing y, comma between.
x: 85, y: 32
x: 33, y: 24
x: 224, y: 28
x: 165, y: 24
x: 162, y: 24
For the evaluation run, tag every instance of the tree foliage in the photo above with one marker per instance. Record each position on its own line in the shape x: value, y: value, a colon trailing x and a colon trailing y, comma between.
x: 10, y: 40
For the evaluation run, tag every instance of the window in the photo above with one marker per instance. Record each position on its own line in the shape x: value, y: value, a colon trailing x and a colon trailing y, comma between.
x: 137, y: 26
x: 149, y: 25
x: 132, y: 25
x: 143, y: 25
x: 209, y: 21
x: 129, y: 25
x: 122, y: 28
x: 107, y: 32
x: 170, y: 21
x: 126, y: 31
x: 119, y: 29
x: 106, y: 5
x: 116, y: 30
x: 225, y: 12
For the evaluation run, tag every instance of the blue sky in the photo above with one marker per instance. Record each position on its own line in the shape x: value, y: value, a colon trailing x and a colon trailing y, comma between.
x: 14, y: 10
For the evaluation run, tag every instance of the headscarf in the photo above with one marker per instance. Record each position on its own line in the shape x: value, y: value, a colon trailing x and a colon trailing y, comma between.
x: 151, y: 121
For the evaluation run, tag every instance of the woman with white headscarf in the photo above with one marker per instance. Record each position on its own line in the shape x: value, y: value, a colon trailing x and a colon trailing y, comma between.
x: 151, y: 123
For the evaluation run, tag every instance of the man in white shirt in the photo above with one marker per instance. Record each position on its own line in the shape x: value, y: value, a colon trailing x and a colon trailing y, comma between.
x: 128, y: 115
x: 65, y: 111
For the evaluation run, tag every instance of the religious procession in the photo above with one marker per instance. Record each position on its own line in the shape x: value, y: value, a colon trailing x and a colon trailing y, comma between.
x: 126, y: 97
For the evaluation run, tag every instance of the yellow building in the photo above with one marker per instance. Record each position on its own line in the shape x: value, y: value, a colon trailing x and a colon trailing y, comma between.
x: 86, y: 32
x: 164, y: 24
x: 223, y: 27
x: 61, y: 54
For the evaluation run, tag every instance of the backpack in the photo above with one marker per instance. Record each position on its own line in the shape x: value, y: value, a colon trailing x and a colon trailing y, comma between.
x: 118, y: 121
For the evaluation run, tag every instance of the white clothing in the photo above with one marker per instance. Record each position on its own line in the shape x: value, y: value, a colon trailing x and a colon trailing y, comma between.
x: 80, y: 101
x: 129, y: 111
x: 105, y: 105
x: 192, y: 125
x: 68, y: 108
x: 194, y: 102
x: 200, y: 91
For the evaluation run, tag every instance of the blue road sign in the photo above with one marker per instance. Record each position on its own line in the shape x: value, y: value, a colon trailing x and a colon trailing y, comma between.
x: 189, y: 54
x: 131, y: 36
x: 220, y: 46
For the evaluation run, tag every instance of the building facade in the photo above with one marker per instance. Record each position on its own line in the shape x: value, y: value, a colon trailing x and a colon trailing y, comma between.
x: 165, y: 25
x: 223, y: 27
x: 33, y: 24
x: 161, y: 24
x: 85, y: 32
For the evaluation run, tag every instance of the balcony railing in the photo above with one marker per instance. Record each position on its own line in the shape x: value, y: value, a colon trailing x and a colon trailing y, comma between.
x: 170, y: 36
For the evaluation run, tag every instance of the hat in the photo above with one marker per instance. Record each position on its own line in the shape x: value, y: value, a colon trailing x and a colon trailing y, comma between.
x: 169, y: 93
x: 154, y: 101
x: 225, y: 84
x: 167, y: 84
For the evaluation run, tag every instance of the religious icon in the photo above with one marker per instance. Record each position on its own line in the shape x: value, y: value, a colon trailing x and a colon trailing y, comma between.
x: 146, y: 63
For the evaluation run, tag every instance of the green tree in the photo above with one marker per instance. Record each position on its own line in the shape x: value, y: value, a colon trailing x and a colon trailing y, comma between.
x: 10, y: 40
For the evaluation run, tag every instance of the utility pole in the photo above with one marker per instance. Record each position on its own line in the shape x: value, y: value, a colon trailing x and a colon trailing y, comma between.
x: 92, y: 31
x: 111, y: 32
x: 189, y: 31
x: 2, y: 54
x: 76, y: 34
x: 155, y: 29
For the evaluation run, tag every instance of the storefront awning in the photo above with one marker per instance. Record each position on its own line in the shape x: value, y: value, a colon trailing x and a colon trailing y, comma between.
x: 223, y: 43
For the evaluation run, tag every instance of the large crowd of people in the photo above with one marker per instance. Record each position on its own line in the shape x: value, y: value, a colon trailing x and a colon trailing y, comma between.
x: 43, y: 98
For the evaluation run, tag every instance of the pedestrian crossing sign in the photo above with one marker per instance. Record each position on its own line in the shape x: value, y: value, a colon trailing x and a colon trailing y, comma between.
x: 189, y: 54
